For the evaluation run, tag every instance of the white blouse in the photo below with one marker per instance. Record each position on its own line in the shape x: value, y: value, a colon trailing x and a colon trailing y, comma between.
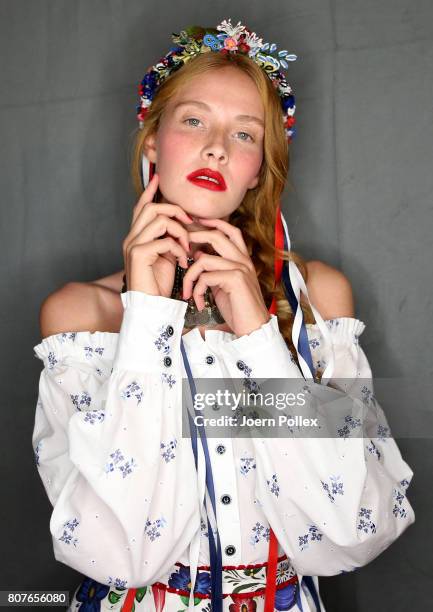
x: 122, y: 480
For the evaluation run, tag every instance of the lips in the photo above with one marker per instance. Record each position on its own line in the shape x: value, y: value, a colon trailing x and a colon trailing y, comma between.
x: 207, y: 178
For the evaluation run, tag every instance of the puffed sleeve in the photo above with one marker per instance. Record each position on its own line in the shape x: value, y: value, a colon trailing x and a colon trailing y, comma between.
x: 109, y: 446
x: 334, y: 503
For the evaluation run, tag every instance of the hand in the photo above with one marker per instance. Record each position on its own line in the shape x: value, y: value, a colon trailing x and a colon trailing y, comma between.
x: 230, y: 275
x: 150, y: 261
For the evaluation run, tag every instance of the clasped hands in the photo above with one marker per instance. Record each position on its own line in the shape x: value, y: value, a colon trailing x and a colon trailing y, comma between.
x: 159, y: 237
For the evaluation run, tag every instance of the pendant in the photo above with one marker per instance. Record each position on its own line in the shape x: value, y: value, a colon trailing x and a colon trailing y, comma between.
x: 209, y: 316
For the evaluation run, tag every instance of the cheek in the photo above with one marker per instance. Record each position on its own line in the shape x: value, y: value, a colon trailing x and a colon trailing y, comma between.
x: 170, y: 147
x: 251, y: 164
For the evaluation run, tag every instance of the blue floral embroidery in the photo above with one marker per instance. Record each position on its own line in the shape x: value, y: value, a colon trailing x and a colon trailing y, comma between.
x: 259, y: 532
x: 313, y: 342
x: 351, y: 423
x: 248, y: 382
x: 99, y: 371
x: 203, y: 528
x: 37, y: 451
x: 365, y: 524
x: 368, y: 396
x: 273, y: 485
x: 161, y: 342
x: 167, y: 449
x: 332, y: 323
x: 88, y: 351
x: 335, y: 487
x: 313, y: 533
x: 247, y: 464
x: 398, y: 509
x: 116, y: 463
x: 133, y: 389
x: 66, y: 336
x: 117, y: 583
x: 151, y: 529
x: 68, y: 530
x: 51, y: 360
x: 84, y: 400
x: 372, y: 448
x: 94, y: 416
x: 168, y: 379
x: 404, y: 483
x: 383, y: 432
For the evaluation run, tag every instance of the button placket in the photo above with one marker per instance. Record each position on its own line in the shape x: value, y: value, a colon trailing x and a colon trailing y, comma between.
x: 223, y: 466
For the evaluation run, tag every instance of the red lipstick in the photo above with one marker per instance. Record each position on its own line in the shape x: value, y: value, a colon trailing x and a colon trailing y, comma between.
x: 207, y: 178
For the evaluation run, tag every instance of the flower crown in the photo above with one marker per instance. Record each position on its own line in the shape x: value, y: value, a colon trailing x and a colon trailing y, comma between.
x: 225, y: 38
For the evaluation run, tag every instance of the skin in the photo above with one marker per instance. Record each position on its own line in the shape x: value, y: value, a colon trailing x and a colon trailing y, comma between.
x: 216, y: 122
x: 190, y: 138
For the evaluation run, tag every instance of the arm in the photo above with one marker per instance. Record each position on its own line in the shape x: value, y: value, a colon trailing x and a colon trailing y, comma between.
x: 109, y: 445
x: 334, y: 503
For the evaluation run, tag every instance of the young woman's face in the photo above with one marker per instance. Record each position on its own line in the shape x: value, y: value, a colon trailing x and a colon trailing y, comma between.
x: 213, y: 127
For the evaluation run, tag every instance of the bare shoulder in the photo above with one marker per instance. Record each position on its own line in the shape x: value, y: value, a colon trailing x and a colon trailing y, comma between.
x: 80, y: 306
x: 329, y: 290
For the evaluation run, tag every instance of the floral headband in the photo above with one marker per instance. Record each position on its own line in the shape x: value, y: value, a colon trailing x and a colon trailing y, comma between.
x: 225, y: 38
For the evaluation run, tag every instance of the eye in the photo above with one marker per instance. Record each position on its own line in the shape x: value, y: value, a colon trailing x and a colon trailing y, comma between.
x: 193, y: 121
x: 245, y: 136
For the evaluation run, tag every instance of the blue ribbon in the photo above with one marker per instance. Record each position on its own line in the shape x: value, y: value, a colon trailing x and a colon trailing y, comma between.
x: 214, y: 550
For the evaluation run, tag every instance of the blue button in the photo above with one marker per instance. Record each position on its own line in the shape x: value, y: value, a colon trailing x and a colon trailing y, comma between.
x: 220, y: 449
x: 230, y: 550
x: 167, y: 361
x: 210, y: 359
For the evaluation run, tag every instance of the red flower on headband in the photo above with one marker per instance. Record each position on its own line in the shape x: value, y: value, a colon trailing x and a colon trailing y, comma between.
x: 243, y: 47
x: 142, y: 113
x: 290, y: 121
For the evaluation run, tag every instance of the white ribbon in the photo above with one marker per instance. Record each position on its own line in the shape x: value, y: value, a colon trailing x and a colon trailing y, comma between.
x: 298, y: 285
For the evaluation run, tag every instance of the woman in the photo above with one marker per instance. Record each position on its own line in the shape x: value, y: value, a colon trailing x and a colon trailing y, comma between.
x: 142, y: 511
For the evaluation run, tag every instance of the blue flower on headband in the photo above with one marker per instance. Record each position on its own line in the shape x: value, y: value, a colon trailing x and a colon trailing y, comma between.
x: 212, y: 41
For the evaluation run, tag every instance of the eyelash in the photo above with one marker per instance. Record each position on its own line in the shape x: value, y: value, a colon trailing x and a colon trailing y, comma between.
x: 195, y: 119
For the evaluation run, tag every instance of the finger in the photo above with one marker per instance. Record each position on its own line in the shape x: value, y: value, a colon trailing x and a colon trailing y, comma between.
x: 146, y: 254
x: 146, y: 197
x: 207, y: 263
x: 234, y: 233
x: 222, y: 245
x: 160, y: 226
x: 151, y: 210
x: 216, y: 279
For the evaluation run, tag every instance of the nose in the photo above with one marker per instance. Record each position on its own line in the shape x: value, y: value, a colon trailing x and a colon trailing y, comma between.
x: 216, y: 149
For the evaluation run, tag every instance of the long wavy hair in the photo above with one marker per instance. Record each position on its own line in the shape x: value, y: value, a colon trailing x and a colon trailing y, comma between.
x: 257, y: 212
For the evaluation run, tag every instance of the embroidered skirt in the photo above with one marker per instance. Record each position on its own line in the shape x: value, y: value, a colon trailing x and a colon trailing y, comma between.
x: 243, y: 591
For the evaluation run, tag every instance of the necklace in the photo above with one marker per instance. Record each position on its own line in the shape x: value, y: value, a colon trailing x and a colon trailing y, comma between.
x: 210, y: 315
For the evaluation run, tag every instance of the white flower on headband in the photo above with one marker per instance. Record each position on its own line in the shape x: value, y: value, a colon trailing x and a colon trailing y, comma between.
x: 227, y: 27
x: 253, y: 41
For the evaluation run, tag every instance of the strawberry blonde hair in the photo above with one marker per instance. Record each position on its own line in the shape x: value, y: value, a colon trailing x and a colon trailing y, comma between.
x: 257, y: 212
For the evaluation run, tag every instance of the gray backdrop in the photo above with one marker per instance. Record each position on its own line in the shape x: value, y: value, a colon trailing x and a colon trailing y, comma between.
x: 362, y: 173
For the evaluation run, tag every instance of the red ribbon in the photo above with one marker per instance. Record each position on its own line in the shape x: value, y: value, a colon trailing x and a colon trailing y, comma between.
x: 271, y: 573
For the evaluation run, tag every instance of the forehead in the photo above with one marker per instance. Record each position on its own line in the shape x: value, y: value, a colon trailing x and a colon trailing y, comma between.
x: 228, y: 88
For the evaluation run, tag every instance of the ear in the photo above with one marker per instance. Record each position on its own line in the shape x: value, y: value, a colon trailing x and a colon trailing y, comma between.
x: 150, y: 148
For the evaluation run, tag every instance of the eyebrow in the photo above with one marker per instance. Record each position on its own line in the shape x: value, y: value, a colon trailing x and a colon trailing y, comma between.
x: 248, y: 118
